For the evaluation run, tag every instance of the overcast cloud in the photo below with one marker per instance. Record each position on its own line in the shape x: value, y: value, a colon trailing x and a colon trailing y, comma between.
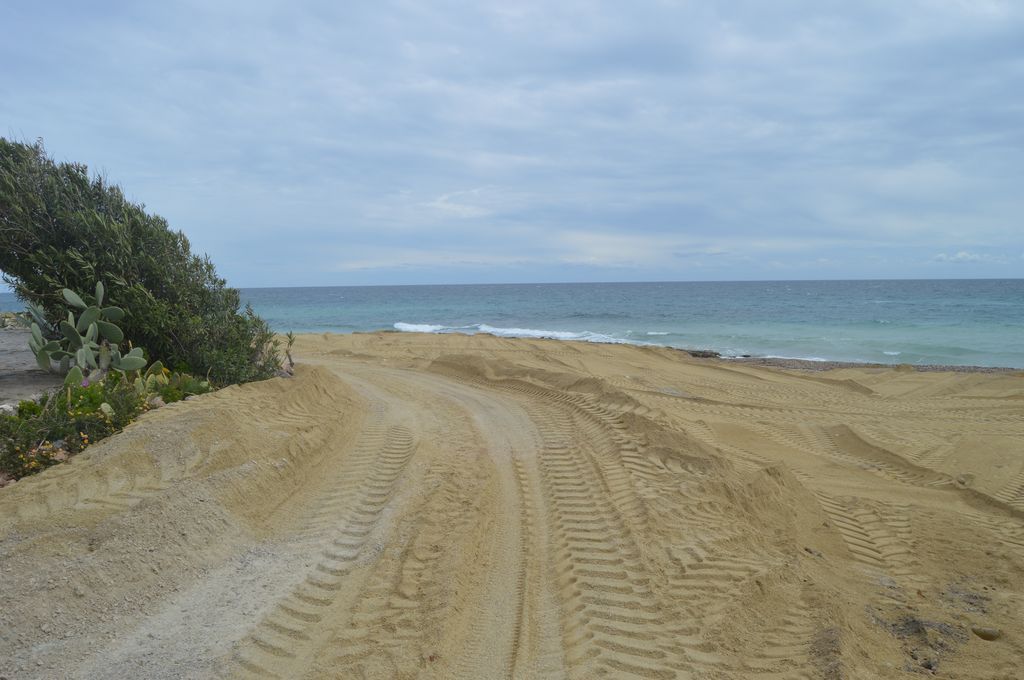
x: 437, y: 142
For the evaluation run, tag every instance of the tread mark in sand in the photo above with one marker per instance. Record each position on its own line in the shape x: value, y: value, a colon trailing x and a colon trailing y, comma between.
x: 822, y: 442
x: 535, y: 592
x: 885, y: 545
x: 1013, y: 493
x: 784, y: 648
x: 605, y: 587
x: 405, y: 605
x: 859, y: 541
x: 290, y: 630
x: 611, y: 619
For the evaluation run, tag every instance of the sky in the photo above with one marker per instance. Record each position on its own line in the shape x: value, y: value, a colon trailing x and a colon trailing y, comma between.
x: 350, y: 143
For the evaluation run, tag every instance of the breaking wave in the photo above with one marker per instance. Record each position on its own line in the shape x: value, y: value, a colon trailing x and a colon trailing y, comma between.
x: 584, y: 336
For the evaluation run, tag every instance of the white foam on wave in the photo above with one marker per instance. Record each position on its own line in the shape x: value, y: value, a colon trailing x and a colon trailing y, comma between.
x: 418, y: 327
x: 892, y: 354
x: 584, y: 336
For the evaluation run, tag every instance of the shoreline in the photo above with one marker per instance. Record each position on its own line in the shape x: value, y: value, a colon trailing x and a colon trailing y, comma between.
x: 771, y: 362
x: 21, y: 379
x: 808, y: 365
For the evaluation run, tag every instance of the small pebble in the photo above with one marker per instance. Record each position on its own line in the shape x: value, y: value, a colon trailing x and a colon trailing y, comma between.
x: 986, y: 633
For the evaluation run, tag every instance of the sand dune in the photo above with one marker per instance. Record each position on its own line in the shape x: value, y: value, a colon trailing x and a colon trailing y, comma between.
x: 475, y: 507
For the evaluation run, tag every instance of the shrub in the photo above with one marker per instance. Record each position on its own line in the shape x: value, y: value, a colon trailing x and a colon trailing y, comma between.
x: 63, y: 423
x: 177, y: 386
x: 61, y: 228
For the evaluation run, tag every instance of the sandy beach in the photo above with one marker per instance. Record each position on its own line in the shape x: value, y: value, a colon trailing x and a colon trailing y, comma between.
x: 447, y: 506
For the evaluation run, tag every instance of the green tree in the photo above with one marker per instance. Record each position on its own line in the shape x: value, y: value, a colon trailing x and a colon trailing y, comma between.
x: 62, y: 228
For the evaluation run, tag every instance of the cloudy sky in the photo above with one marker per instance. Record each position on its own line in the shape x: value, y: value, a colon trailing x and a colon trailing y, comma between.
x: 448, y: 142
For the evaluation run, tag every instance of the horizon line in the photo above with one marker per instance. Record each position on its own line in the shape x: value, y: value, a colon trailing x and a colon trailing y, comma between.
x: 5, y: 289
x: 577, y: 283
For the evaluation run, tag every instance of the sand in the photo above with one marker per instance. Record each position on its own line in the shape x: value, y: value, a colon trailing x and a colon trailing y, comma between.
x: 20, y: 376
x: 426, y: 506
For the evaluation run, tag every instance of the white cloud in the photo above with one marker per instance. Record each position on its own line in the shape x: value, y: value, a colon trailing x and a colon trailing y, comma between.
x: 461, y: 204
x: 605, y: 249
x: 406, y: 258
x: 967, y: 256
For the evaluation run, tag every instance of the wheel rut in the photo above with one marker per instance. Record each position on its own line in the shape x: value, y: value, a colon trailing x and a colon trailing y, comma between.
x: 284, y: 638
x: 422, y: 576
x: 625, y: 611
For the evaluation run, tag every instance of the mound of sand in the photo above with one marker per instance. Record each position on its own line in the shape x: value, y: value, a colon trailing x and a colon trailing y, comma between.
x: 476, y: 507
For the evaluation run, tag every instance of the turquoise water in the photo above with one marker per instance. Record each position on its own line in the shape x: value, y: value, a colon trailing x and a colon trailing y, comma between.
x: 955, y: 322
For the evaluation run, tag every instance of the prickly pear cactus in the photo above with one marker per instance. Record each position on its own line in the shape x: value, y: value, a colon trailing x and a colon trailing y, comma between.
x: 84, y: 345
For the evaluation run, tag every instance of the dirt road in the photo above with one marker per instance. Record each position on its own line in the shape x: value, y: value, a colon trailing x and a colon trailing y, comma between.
x: 449, y: 507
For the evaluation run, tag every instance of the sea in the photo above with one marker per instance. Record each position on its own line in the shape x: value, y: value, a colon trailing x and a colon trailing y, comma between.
x: 947, y: 322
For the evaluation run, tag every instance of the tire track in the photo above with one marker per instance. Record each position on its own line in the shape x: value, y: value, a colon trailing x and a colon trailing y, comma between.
x: 881, y: 539
x: 1013, y: 492
x: 784, y: 647
x: 538, y: 631
x: 614, y: 618
x: 612, y: 622
x: 283, y: 642
x: 843, y: 446
x: 410, y: 609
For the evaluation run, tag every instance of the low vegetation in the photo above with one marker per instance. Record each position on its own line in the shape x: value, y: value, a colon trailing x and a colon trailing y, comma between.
x: 59, y: 425
x: 103, y: 390
x: 62, y: 228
